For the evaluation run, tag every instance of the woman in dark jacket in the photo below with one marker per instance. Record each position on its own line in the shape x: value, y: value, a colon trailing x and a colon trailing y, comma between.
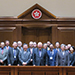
x: 71, y: 55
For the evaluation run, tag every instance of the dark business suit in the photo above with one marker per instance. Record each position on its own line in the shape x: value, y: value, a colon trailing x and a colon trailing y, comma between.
x: 20, y: 50
x: 40, y: 60
x: 13, y: 60
x: 62, y: 59
x: 58, y: 49
x: 52, y: 57
x: 71, y: 59
x: 7, y: 49
x: 24, y: 56
x: 33, y: 49
x: 73, y: 62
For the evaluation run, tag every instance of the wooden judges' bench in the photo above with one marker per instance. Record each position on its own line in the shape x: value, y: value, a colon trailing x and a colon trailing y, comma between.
x: 36, y: 70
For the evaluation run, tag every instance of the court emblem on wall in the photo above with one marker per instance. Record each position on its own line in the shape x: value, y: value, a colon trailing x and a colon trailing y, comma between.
x: 36, y: 14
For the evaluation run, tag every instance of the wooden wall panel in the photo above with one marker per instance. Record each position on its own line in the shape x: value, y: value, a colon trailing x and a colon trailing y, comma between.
x: 38, y: 35
x: 6, y: 36
x: 28, y: 35
x: 66, y: 36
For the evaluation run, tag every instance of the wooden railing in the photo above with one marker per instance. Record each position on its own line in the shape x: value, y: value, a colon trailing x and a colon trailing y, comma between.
x: 37, y: 70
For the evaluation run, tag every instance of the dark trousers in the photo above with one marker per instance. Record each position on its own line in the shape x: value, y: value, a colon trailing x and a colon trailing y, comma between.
x: 15, y: 63
x: 30, y: 64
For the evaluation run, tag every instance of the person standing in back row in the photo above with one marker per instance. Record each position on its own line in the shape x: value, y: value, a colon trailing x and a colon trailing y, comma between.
x: 13, y: 54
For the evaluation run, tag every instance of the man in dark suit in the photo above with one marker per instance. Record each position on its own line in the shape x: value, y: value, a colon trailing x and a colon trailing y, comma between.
x: 62, y: 58
x: 40, y: 56
x: 31, y: 50
x: 52, y: 56
x: 3, y: 54
x: 7, y: 43
x: 13, y: 55
x: 20, y: 48
x: 24, y: 56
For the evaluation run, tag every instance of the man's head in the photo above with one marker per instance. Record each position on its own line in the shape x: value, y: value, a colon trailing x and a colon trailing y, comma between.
x: 66, y: 47
x: 62, y: 47
x: 7, y: 43
x: 31, y: 44
x: 39, y: 45
x: 45, y: 45
x: 48, y: 43
x: 57, y: 44
x: 19, y: 43
x: 25, y: 46
x: 51, y: 46
x: 2, y: 44
x: 35, y: 44
x: 14, y: 44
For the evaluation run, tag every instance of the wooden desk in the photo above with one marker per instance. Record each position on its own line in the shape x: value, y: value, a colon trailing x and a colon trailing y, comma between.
x: 36, y: 70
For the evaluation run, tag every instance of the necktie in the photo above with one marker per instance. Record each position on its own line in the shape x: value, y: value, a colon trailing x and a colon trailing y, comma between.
x: 40, y: 53
x: 2, y: 51
x: 14, y: 54
x: 31, y: 50
x: 7, y: 48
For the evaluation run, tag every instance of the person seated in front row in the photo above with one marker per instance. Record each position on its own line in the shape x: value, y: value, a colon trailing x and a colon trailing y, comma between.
x: 24, y: 56
x: 13, y: 55
x: 3, y: 54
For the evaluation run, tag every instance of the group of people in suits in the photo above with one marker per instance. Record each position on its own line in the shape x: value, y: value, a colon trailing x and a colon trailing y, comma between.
x: 37, y: 54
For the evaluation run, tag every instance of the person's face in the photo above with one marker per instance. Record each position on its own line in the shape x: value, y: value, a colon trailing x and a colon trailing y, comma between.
x: 66, y: 47
x: 31, y: 45
x: 25, y: 47
x: 57, y: 45
x: 2, y: 45
x: 45, y: 46
x: 15, y: 45
x: 7, y: 43
x: 51, y: 46
x: 62, y: 48
x: 35, y: 45
x: 71, y: 49
x: 40, y: 46
x: 48, y: 43
x: 19, y: 44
